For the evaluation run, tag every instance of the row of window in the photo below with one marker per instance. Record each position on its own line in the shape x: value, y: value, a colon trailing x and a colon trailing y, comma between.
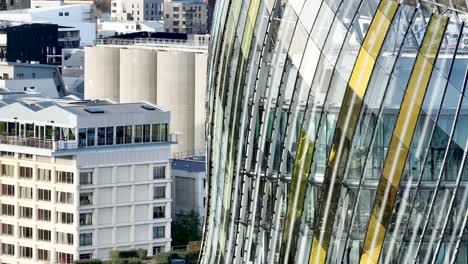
x: 42, y: 234
x: 42, y: 254
x: 88, y: 137
x: 8, y: 170
x: 42, y: 194
x: 42, y: 214
x: 86, y: 178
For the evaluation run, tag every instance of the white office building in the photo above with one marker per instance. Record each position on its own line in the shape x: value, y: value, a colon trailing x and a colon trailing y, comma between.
x: 136, y: 10
x: 82, y: 178
x: 78, y: 16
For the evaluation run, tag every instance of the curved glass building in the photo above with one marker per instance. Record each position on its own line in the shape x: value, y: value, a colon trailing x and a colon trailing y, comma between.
x: 337, y: 132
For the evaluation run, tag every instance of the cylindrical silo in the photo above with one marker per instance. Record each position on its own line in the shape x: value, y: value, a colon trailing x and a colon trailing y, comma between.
x: 138, y: 75
x: 102, y: 73
x: 176, y: 92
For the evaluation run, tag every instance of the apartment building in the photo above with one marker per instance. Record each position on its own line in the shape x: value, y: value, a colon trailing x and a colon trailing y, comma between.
x: 186, y: 16
x: 79, y: 179
x: 14, y: 4
x: 136, y: 10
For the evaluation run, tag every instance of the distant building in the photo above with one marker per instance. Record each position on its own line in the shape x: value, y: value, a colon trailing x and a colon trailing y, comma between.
x: 29, y: 42
x: 80, y: 179
x: 188, y: 181
x: 186, y: 16
x: 115, y: 28
x: 162, y: 68
x: 136, y: 10
x: 29, y: 78
x: 78, y: 16
x: 14, y: 4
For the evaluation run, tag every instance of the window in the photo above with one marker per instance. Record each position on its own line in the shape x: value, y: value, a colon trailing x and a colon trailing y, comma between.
x: 119, y: 135
x: 8, y: 249
x: 44, y: 175
x: 101, y: 136
x: 25, y: 192
x: 86, y: 178
x: 64, y: 197
x: 64, y: 258
x: 128, y: 134
x: 157, y: 250
x: 86, y: 239
x: 64, y: 177
x: 8, y: 190
x: 26, y: 172
x: 60, y: 13
x: 25, y: 252
x: 26, y: 212
x: 159, y: 172
x: 159, y: 192
x: 159, y: 232
x: 25, y: 156
x: 64, y: 238
x: 43, y: 255
x: 109, y: 135
x: 8, y: 170
x: 159, y: 132
x: 90, y: 135
x: 7, y: 229
x: 44, y: 195
x: 7, y: 154
x: 86, y: 198
x: 26, y: 232
x: 86, y: 256
x: 146, y: 133
x: 67, y: 14
x: 44, y: 215
x: 8, y: 209
x: 138, y: 133
x: 159, y: 212
x: 64, y: 218
x: 44, y: 235
x: 86, y: 219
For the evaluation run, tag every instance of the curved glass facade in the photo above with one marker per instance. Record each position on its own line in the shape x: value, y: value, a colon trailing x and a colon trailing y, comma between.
x: 337, y: 132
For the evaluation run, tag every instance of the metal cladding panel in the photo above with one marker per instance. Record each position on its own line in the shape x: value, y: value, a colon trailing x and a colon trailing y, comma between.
x: 333, y: 131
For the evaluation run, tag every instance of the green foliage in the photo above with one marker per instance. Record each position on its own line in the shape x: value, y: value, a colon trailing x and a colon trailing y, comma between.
x: 186, y: 228
x: 88, y: 261
x: 133, y: 256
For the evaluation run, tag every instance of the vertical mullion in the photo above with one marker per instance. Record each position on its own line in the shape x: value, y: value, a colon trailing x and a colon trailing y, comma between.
x: 401, y: 141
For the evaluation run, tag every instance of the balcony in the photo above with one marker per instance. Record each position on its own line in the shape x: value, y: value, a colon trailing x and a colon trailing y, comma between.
x: 56, y: 145
x: 38, y: 143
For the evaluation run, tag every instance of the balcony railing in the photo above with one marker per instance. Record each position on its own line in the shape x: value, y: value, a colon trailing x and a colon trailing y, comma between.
x: 73, y: 144
x: 38, y: 143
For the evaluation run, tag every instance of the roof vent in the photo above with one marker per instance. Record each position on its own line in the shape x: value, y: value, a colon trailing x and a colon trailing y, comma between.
x: 148, y: 107
x: 94, y: 110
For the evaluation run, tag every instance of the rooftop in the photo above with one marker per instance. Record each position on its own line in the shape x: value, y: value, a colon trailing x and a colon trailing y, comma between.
x: 191, y: 164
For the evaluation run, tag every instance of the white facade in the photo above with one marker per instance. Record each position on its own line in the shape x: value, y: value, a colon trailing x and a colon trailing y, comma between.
x: 169, y: 74
x: 136, y: 10
x: 114, y: 28
x: 31, y: 78
x: 75, y: 16
x: 70, y: 191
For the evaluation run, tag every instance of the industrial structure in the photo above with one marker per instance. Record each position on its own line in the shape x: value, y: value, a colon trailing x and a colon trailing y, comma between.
x: 337, y: 132
x: 169, y: 72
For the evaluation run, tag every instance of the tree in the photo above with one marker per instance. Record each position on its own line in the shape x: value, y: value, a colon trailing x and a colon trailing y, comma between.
x: 186, y: 228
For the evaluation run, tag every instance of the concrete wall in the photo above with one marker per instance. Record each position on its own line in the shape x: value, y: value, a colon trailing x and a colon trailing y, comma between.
x: 102, y: 73
x: 138, y: 78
